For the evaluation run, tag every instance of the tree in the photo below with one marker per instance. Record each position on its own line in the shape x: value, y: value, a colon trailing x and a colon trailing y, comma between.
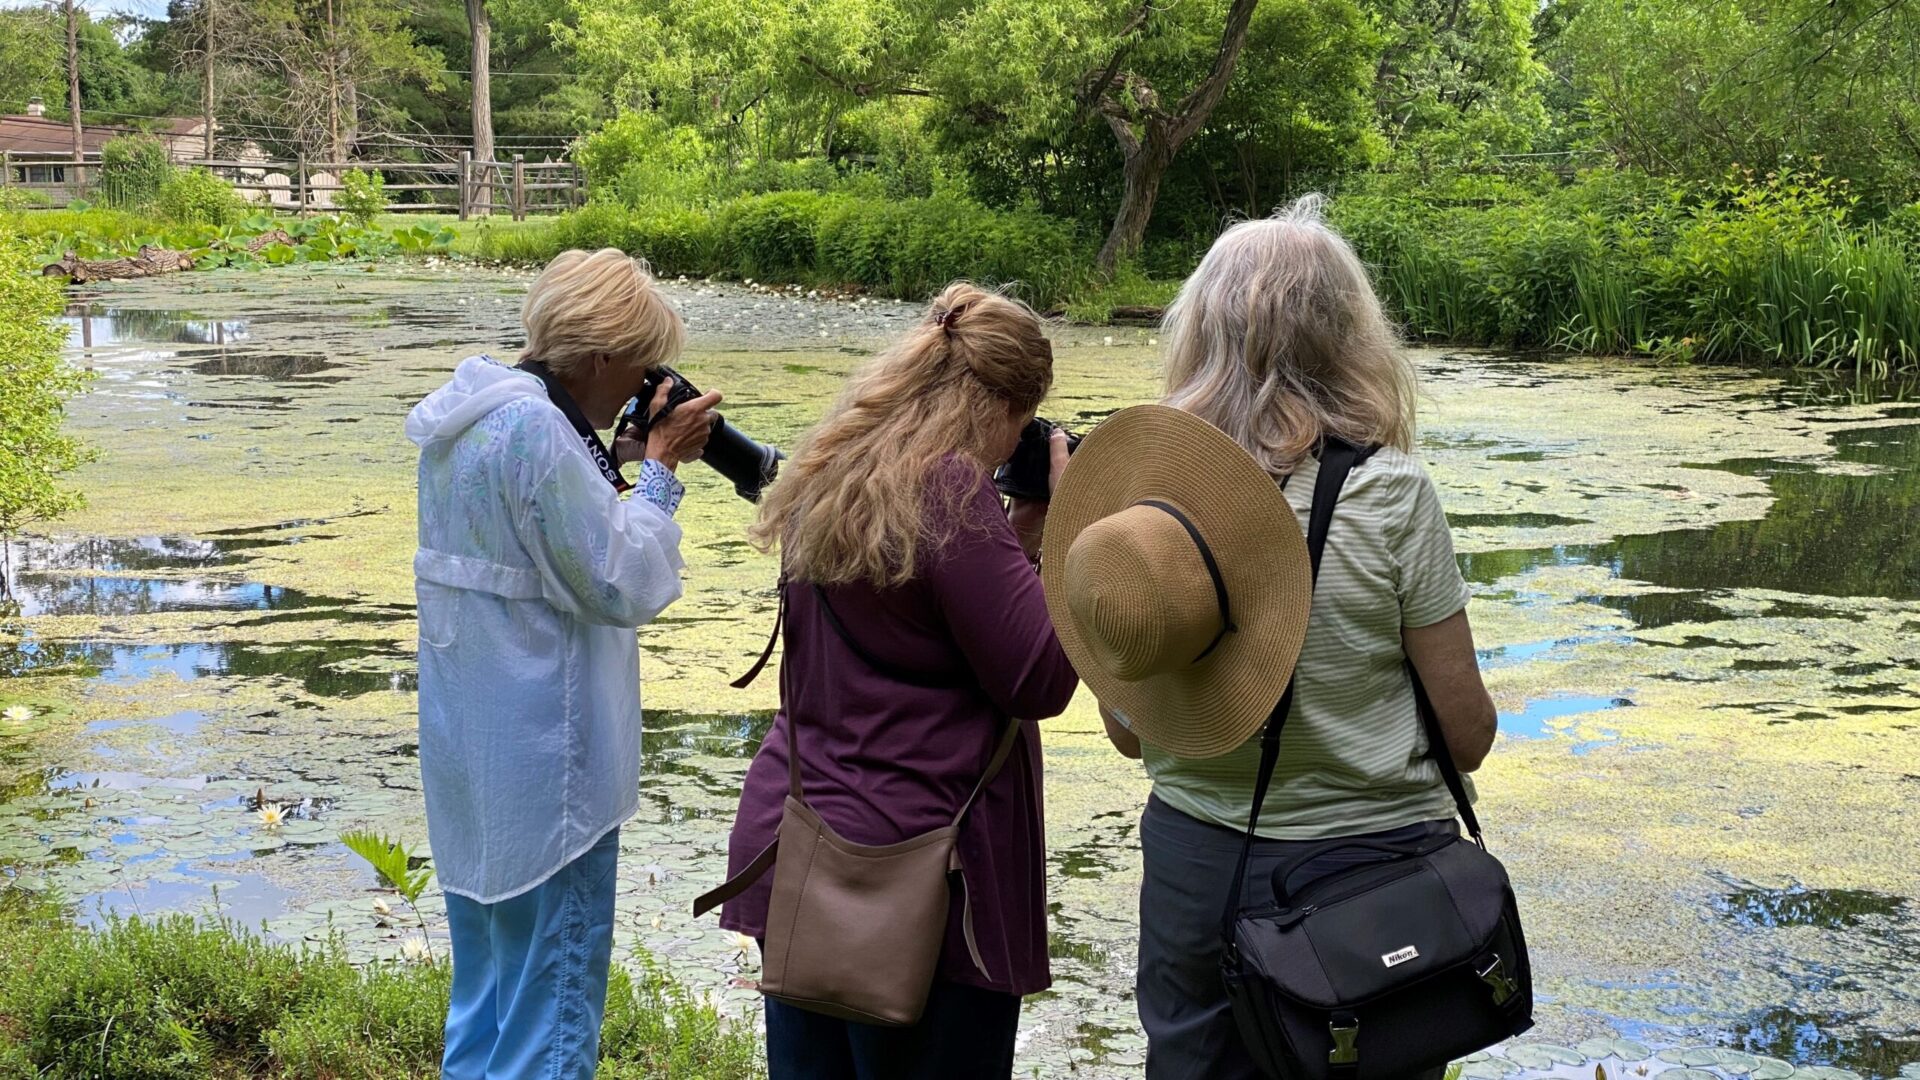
x: 73, y: 78
x: 1456, y: 81
x: 29, y: 57
x: 1148, y: 133
x: 481, y: 32
x: 324, y: 71
x: 203, y: 39
x: 35, y: 384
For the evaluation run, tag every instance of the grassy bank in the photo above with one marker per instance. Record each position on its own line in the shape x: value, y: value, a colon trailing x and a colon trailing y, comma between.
x: 902, y: 247
x: 1770, y: 271
x: 174, y: 998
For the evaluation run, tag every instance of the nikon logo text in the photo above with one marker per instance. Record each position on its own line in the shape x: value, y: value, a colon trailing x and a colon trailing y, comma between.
x: 1400, y: 956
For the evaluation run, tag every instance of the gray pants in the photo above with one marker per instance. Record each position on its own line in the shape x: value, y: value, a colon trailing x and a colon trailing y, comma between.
x: 1190, y: 1028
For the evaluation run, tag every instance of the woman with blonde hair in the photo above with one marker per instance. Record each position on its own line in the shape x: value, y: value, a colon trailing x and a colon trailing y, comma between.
x: 1278, y: 340
x: 915, y: 628
x: 532, y: 573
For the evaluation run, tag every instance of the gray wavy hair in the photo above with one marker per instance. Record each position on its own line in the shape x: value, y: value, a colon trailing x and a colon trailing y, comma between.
x: 1278, y: 339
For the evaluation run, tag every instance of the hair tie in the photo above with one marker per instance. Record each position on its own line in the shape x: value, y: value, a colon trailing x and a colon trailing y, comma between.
x: 947, y: 318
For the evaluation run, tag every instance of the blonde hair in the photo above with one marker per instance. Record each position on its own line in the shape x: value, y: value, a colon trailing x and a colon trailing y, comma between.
x: 1278, y: 340
x: 854, y: 503
x: 602, y: 303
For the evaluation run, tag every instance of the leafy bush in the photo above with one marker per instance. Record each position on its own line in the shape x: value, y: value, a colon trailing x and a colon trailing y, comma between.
x: 196, y: 196
x: 133, y: 169
x: 362, y: 195
x: 166, y: 998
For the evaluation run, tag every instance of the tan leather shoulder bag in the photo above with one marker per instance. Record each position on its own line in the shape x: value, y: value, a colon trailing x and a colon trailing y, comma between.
x: 855, y: 930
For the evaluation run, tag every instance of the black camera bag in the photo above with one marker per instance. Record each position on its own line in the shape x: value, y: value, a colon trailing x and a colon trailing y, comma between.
x: 1386, y: 969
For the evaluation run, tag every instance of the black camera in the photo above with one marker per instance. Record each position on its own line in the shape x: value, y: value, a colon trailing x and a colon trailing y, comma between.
x: 750, y: 465
x: 1024, y: 476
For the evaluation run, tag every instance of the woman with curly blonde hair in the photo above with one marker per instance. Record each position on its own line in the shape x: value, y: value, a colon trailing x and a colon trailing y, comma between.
x: 915, y: 627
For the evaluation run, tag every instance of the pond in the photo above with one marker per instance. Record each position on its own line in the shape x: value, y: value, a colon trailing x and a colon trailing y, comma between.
x: 1696, y: 593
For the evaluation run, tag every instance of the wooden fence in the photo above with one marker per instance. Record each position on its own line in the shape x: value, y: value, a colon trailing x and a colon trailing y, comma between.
x: 467, y: 187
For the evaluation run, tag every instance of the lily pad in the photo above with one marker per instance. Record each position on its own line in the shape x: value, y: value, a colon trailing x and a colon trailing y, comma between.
x: 1823, y: 1072
x: 1773, y: 1069
x: 1689, y: 1074
x: 1543, y: 1055
x: 1624, y: 1049
x: 1489, y: 1068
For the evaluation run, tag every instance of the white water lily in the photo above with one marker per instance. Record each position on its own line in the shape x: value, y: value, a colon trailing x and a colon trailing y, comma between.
x: 414, y: 950
x: 380, y: 907
x: 17, y: 714
x: 744, y: 944
x: 272, y: 816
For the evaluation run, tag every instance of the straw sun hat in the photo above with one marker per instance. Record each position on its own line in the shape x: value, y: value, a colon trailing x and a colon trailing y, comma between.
x: 1177, y: 579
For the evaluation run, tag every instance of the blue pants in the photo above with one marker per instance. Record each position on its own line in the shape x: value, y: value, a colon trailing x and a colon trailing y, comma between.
x: 530, y: 976
x: 965, y: 1034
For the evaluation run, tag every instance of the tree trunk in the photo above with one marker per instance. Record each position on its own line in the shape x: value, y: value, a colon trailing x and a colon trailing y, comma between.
x: 73, y: 83
x: 209, y: 27
x: 481, y: 29
x: 1165, y: 131
x: 1145, y: 168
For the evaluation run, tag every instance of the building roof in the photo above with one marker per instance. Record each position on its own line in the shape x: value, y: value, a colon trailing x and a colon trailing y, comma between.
x: 43, y: 135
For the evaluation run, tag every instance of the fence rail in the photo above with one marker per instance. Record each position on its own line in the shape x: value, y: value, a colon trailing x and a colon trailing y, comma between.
x: 467, y: 187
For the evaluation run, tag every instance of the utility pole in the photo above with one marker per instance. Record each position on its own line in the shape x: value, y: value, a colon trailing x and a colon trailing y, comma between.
x: 73, y: 82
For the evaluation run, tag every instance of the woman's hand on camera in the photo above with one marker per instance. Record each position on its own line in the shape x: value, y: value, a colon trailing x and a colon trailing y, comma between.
x: 1029, y: 516
x: 681, y: 435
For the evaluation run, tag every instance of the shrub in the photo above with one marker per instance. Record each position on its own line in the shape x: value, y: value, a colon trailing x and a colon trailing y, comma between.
x: 196, y: 196
x: 14, y: 200
x: 362, y: 195
x: 170, y: 997
x: 133, y: 169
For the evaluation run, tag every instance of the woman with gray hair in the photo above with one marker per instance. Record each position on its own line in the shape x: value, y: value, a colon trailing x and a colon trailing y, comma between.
x: 532, y: 574
x: 1279, y: 341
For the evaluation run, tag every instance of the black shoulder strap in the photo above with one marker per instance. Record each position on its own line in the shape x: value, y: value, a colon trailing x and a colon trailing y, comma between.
x: 1337, y: 458
x: 891, y: 670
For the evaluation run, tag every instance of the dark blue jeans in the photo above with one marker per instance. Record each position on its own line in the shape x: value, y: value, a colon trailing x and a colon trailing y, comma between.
x: 965, y: 1034
x: 1188, y: 869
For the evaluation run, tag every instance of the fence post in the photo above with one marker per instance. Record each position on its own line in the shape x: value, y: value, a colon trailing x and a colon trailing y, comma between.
x: 6, y: 168
x: 466, y: 183
x: 519, y: 187
x: 300, y: 186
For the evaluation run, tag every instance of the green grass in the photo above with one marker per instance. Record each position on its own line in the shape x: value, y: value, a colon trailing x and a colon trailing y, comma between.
x: 171, y: 998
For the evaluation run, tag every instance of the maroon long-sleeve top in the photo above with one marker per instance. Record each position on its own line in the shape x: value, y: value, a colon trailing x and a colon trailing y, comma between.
x: 882, y: 761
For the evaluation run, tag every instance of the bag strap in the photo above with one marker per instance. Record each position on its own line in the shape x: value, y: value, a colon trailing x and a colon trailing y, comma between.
x: 1337, y: 459
x: 773, y: 639
x: 1443, y: 756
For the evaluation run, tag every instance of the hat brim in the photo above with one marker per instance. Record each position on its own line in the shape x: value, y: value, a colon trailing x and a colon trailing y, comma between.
x: 1155, y: 452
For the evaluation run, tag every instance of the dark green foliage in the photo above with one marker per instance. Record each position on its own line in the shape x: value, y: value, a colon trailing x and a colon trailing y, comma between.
x: 133, y: 169
x: 174, y: 998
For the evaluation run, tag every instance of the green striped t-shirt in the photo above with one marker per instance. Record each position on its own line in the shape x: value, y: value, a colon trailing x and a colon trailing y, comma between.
x: 1353, y: 755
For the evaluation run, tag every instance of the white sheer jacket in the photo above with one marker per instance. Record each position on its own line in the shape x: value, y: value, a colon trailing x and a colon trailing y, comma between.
x: 531, y: 576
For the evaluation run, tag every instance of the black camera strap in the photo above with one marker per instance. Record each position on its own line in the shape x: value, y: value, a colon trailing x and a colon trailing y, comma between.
x: 570, y: 409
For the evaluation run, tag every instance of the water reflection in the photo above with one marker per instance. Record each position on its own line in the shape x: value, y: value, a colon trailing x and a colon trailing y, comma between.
x: 1829, y: 534
x: 89, y: 327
